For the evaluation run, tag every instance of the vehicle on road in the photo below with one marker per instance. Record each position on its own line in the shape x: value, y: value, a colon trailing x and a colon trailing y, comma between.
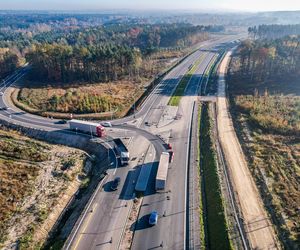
x: 115, y: 184
x: 162, y: 171
x: 95, y: 129
x: 1, y: 93
x: 3, y: 108
x: 153, y: 218
x: 106, y: 124
x: 122, y: 151
x: 171, y: 156
x: 169, y: 146
x: 62, y: 122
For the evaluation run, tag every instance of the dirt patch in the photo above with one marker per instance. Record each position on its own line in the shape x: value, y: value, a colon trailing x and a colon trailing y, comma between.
x: 35, y: 186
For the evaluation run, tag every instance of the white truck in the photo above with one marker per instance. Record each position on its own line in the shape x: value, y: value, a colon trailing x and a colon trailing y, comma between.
x: 87, y: 127
x: 162, y: 171
x: 122, y: 151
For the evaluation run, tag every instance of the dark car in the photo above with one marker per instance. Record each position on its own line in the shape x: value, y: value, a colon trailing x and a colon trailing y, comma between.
x: 62, y: 122
x: 115, y: 184
x: 153, y: 218
x: 171, y: 156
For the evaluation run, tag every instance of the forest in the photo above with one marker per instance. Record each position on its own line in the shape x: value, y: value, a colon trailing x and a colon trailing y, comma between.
x: 263, y: 60
x: 9, y: 61
x: 273, y: 31
x: 94, y: 53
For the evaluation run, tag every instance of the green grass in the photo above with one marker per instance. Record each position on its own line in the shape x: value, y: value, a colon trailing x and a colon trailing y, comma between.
x: 179, y: 91
x: 217, y: 235
x: 201, y: 212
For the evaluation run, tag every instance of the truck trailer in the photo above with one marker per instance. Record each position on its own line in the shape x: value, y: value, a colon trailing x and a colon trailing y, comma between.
x: 86, y: 127
x: 162, y: 171
x: 122, y: 151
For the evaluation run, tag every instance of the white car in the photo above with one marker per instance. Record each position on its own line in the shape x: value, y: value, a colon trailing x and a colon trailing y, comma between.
x: 106, y: 124
x: 1, y: 93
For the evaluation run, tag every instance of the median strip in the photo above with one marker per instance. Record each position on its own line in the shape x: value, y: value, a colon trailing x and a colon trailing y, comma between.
x: 180, y: 89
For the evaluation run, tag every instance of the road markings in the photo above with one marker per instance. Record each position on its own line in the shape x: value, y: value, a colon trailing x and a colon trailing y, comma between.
x: 86, y: 225
x: 83, y: 216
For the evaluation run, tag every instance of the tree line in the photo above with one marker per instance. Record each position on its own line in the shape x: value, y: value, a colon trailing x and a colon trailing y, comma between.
x: 9, y: 61
x: 273, y: 31
x: 65, y: 63
x: 89, y: 47
x: 97, y: 54
x: 262, y: 60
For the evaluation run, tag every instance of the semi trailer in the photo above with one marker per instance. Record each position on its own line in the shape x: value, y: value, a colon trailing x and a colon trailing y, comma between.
x: 87, y: 127
x: 162, y: 171
x: 122, y: 151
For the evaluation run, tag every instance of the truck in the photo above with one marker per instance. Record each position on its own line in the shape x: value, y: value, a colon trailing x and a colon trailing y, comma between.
x: 87, y: 127
x: 162, y: 172
x: 122, y: 151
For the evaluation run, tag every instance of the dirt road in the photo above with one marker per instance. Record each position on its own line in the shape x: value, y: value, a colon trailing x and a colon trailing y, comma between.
x: 258, y: 227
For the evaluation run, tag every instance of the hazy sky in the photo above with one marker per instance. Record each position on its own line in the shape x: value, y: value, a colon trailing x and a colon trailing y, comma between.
x: 251, y: 5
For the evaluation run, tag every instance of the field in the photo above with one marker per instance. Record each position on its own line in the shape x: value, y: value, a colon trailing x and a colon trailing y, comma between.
x: 37, y: 180
x: 267, y: 117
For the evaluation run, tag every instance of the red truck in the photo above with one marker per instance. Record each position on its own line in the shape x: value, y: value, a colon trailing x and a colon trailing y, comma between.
x: 87, y: 127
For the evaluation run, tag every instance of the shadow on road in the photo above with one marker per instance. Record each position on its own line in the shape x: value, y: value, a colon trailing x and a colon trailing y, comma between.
x: 129, y: 184
x: 141, y: 224
x: 107, y: 187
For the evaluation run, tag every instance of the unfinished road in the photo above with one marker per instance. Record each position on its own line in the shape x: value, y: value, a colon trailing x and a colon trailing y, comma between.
x: 257, y: 225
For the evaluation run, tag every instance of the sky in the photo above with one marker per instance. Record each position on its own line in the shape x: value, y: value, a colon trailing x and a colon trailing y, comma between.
x: 85, y: 5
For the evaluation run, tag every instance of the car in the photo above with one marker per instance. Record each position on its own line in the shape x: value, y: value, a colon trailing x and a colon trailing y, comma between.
x: 3, y: 108
x: 1, y: 93
x: 171, y: 156
x: 62, y: 122
x: 115, y: 184
x: 153, y: 218
x: 106, y: 124
x: 147, y: 123
x: 169, y: 146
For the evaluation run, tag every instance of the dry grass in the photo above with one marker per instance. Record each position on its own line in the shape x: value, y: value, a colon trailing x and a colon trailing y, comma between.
x: 279, y: 114
x: 276, y: 163
x: 37, y: 179
x: 95, y: 98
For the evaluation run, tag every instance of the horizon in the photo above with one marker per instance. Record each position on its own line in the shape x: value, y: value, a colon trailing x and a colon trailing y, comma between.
x: 147, y: 5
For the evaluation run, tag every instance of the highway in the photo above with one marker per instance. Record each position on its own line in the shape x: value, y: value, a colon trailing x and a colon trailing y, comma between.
x: 103, y: 224
x: 171, y: 206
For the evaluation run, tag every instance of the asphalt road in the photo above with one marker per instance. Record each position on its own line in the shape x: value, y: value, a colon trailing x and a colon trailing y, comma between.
x: 110, y: 209
x: 171, y: 205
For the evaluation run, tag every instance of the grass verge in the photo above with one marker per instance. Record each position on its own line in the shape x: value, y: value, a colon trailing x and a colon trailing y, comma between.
x: 215, y: 220
x: 201, y: 187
